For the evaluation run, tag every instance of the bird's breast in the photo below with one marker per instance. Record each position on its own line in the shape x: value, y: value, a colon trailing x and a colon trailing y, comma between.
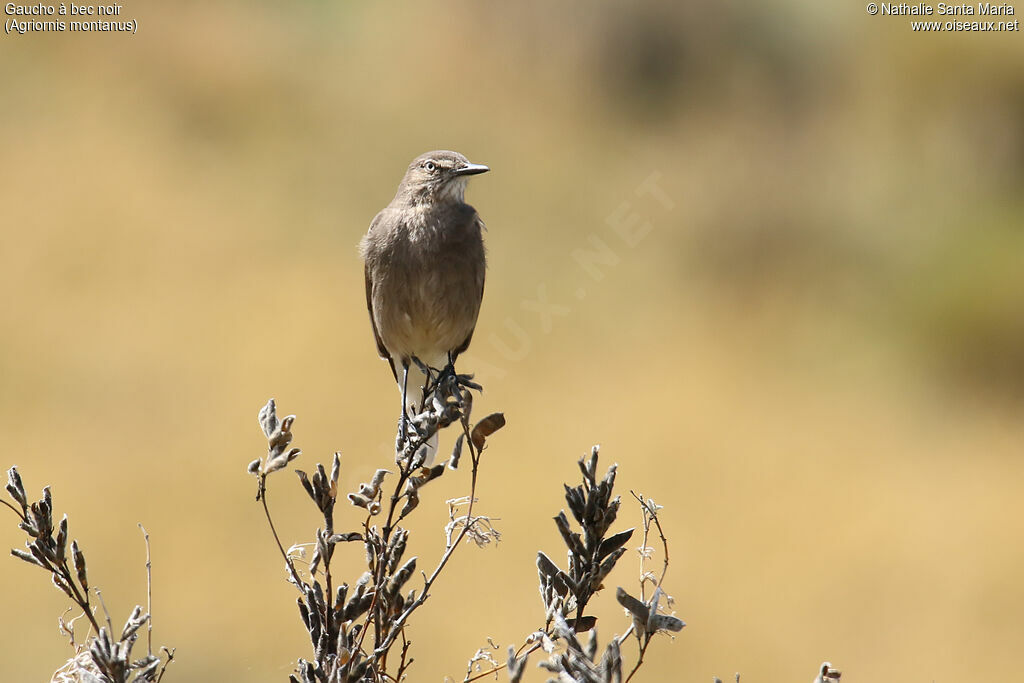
x: 427, y: 307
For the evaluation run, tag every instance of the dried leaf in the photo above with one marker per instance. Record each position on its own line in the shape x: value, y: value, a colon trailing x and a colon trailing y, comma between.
x: 61, y: 541
x: 78, y: 560
x: 665, y: 622
x: 412, y: 499
x: 583, y: 624
x: 572, y: 539
x: 268, y: 418
x: 28, y: 557
x: 546, y: 566
x: 401, y: 576
x: 453, y: 462
x: 638, y: 609
x: 485, y: 427
x: 16, y: 488
x: 359, y: 500
x: 346, y: 537
x: 335, y: 473
x: 613, y: 543
x: 135, y: 620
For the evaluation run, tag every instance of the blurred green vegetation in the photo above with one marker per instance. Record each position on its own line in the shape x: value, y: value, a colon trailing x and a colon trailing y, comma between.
x: 814, y: 359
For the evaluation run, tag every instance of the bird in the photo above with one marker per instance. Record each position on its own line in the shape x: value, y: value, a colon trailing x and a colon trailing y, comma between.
x: 425, y: 263
x: 826, y: 674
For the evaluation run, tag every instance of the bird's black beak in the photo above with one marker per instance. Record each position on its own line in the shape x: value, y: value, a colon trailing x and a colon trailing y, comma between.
x: 471, y: 169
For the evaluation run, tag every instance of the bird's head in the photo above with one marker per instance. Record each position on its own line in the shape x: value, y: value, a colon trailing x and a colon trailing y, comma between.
x: 438, y: 176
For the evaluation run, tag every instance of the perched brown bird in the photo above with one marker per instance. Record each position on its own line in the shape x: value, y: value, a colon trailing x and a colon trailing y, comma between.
x: 425, y: 265
x: 827, y: 674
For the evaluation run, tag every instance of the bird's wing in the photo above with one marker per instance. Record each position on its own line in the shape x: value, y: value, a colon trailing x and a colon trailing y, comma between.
x: 381, y: 349
x: 481, y: 277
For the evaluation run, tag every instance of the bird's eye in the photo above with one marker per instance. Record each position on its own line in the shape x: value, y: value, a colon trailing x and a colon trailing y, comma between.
x: 430, y: 166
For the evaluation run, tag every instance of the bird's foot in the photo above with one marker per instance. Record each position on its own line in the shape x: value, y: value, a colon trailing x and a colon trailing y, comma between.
x: 403, y: 431
x: 467, y: 382
x: 447, y: 372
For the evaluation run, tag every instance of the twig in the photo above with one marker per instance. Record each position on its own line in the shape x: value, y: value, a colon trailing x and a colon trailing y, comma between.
x: 149, y: 590
x: 404, y: 662
x: 403, y: 476
x: 16, y: 510
x: 83, y: 601
x: 399, y: 623
x: 650, y: 514
x: 106, y: 613
x: 639, y: 661
x: 372, y: 612
x: 170, y: 658
x: 266, y: 510
x: 664, y: 545
x: 519, y: 653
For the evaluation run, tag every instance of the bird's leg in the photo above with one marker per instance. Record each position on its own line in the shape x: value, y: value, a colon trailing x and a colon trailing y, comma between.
x: 448, y: 370
x: 403, y: 421
x: 427, y: 385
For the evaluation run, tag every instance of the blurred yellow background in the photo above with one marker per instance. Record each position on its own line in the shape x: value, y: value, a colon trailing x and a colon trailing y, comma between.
x: 810, y: 348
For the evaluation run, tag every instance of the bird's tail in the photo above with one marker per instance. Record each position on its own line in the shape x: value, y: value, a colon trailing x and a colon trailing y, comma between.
x: 431, y: 450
